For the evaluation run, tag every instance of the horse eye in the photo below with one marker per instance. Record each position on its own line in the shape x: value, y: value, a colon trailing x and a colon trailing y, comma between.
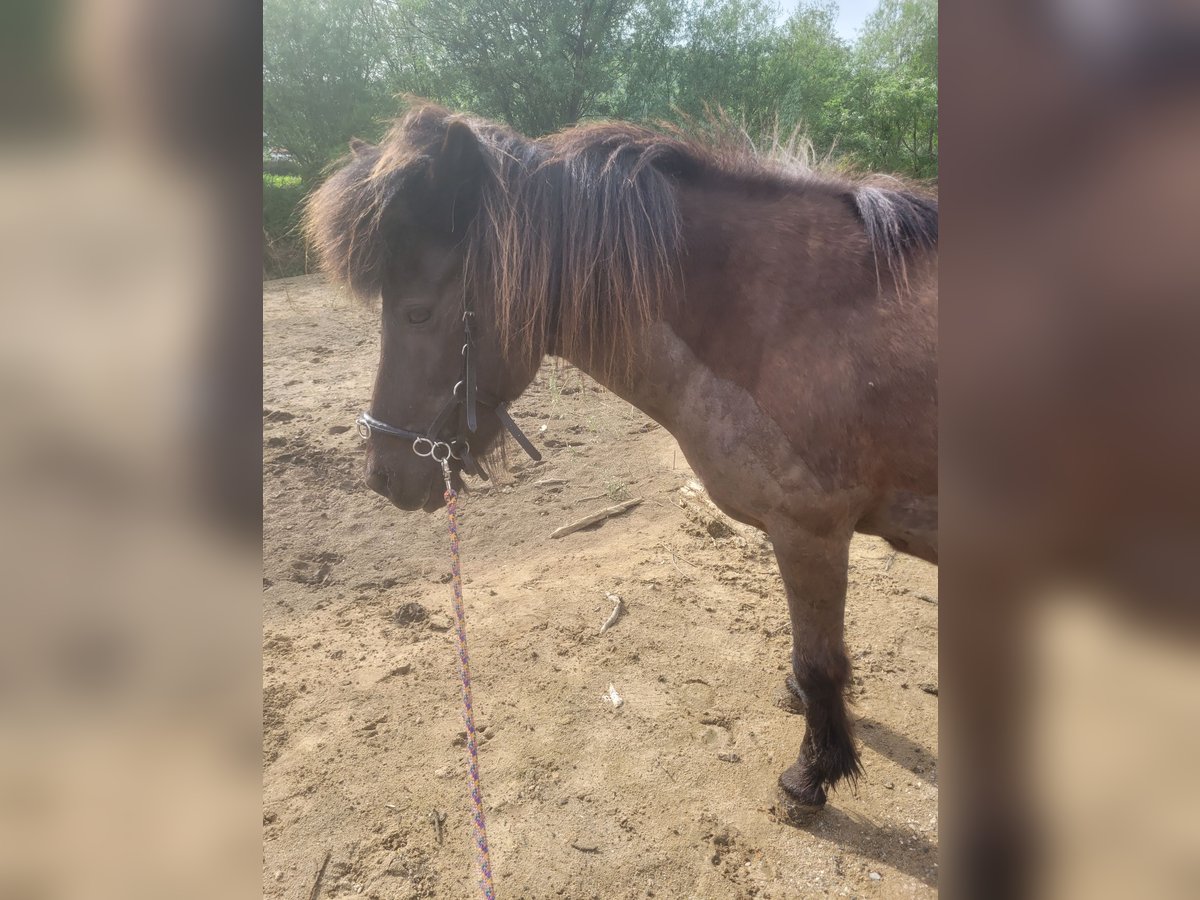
x: 419, y: 315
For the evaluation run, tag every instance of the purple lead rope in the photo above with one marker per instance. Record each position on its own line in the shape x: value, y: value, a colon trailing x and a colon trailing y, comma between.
x: 464, y: 670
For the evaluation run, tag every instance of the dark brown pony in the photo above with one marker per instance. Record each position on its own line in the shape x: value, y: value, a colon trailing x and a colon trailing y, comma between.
x: 780, y: 323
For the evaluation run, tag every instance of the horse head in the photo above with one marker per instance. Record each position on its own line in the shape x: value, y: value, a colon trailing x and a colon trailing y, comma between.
x: 395, y: 223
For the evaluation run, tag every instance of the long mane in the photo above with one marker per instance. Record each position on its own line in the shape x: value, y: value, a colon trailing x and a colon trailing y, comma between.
x: 577, y: 237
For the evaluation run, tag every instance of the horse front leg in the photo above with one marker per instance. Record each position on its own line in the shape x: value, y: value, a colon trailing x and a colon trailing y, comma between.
x: 814, y: 573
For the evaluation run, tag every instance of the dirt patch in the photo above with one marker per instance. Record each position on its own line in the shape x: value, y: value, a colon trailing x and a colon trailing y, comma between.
x: 670, y: 795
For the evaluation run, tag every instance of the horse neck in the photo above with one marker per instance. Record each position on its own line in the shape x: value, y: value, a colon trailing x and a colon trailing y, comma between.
x: 751, y: 258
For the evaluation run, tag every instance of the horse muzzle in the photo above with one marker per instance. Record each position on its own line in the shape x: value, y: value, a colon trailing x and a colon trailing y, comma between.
x: 407, y: 493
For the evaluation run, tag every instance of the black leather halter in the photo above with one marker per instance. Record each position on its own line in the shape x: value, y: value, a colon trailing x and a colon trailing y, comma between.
x: 465, y: 399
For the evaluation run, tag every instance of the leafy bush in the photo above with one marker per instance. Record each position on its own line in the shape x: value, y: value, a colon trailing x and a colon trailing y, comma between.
x: 283, y: 246
x: 281, y: 167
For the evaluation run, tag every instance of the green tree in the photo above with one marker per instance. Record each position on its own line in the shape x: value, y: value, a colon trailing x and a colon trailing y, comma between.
x: 809, y: 74
x: 537, y: 64
x: 890, y: 115
x: 332, y: 69
x: 725, y: 61
x: 324, y: 76
x: 647, y: 86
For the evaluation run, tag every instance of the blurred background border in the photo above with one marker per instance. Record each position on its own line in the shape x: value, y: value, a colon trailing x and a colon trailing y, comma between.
x: 132, y: 253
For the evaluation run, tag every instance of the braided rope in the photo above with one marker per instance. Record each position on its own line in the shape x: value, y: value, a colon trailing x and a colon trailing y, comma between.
x: 464, y: 670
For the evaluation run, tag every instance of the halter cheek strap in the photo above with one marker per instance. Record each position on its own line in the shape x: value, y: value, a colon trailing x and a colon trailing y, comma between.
x: 501, y: 410
x: 469, y: 371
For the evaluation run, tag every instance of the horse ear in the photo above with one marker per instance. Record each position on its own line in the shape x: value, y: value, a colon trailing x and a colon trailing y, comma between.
x: 456, y: 173
x: 460, y: 157
x: 359, y: 147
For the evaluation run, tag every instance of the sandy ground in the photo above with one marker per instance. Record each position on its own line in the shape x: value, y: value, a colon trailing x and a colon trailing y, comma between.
x: 671, y: 795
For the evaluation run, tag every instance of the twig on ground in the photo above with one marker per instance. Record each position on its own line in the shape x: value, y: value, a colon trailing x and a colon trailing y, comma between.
x: 595, y: 517
x: 316, y: 888
x: 438, y: 818
x: 676, y: 558
x: 616, y: 614
x: 665, y: 770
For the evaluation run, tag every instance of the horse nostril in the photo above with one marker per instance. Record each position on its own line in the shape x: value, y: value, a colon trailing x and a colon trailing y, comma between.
x: 378, y: 482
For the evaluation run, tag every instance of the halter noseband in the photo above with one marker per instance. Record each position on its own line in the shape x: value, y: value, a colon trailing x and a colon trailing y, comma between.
x: 465, y: 396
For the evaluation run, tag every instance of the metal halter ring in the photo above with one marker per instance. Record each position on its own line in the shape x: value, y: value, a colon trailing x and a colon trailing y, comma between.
x: 364, y: 430
x: 423, y: 446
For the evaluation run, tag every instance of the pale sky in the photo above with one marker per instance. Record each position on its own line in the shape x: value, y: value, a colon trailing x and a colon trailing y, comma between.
x: 851, y: 15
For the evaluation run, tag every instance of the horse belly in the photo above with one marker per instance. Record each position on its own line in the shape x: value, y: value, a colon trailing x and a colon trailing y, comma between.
x: 907, y: 521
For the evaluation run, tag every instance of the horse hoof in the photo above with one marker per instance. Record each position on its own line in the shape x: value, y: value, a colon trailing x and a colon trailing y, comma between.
x: 799, y: 789
x: 793, y: 811
x: 790, y: 698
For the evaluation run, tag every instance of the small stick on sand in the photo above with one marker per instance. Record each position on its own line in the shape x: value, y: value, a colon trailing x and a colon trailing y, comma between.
x: 316, y: 888
x: 675, y: 561
x: 595, y: 517
x: 438, y: 818
x: 616, y: 613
